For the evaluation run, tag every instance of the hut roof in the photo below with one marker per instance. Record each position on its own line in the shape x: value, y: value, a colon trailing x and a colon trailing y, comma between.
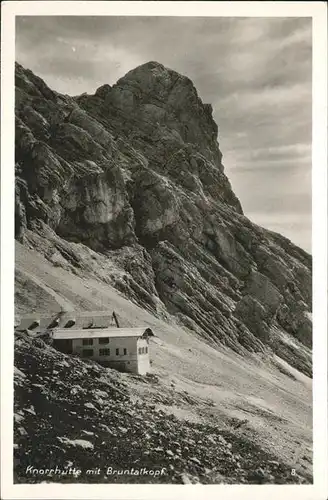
x: 69, y: 333
x: 81, y: 320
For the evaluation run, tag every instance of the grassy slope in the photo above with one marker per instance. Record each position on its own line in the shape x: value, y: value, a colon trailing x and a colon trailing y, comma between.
x: 223, y: 387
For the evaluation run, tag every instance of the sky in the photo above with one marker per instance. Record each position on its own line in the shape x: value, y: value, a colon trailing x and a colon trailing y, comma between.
x: 256, y: 73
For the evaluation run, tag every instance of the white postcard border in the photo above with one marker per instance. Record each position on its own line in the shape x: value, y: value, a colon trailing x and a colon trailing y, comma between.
x: 318, y: 12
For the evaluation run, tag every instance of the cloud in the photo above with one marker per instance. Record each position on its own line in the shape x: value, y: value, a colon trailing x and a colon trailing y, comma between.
x: 277, y: 158
x: 292, y: 223
x: 256, y: 72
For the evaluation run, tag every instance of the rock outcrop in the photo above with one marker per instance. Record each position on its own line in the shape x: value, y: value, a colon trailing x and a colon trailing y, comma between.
x: 133, y: 176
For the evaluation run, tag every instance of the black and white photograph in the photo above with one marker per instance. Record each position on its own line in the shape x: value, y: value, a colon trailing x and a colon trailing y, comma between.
x: 163, y: 249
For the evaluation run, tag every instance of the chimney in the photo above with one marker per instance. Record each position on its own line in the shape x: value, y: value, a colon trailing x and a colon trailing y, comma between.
x: 115, y: 319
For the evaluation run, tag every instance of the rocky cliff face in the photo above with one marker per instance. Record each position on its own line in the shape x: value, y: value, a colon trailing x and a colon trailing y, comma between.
x: 130, y: 183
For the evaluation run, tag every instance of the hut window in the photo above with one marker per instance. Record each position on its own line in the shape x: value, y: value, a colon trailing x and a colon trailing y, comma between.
x: 104, y: 352
x: 125, y: 351
x: 146, y: 350
x: 117, y: 351
x: 86, y: 353
x: 87, y: 342
x: 104, y: 340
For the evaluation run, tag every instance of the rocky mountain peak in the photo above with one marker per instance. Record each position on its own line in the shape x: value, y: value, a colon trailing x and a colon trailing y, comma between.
x: 149, y: 75
x: 129, y: 184
x: 153, y: 69
x: 163, y: 101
